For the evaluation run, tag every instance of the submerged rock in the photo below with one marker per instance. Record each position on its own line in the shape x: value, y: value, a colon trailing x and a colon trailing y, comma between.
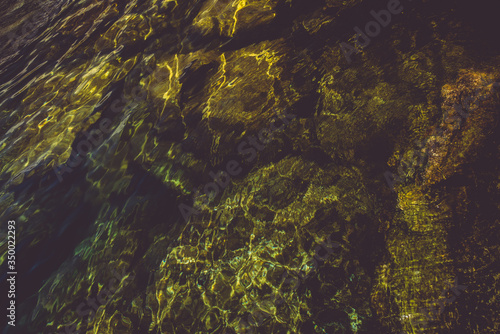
x: 218, y: 167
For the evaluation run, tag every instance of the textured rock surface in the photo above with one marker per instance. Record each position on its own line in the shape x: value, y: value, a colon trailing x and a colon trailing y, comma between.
x: 306, y: 236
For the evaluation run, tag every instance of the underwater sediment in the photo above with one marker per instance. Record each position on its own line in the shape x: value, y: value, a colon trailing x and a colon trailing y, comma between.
x: 278, y: 166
